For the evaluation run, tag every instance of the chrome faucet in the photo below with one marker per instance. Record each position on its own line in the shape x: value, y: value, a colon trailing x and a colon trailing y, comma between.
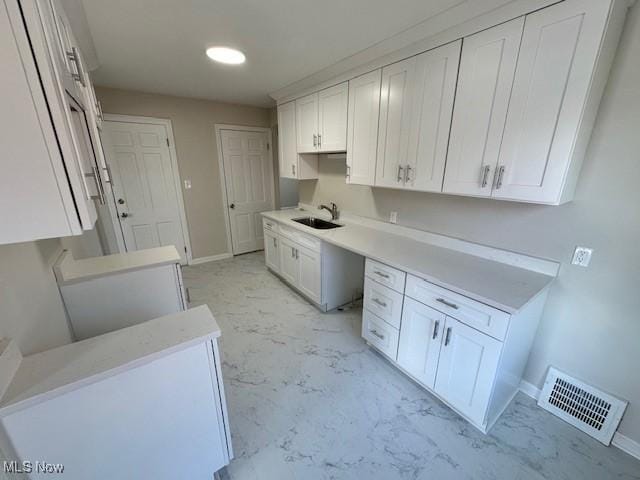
x: 333, y: 209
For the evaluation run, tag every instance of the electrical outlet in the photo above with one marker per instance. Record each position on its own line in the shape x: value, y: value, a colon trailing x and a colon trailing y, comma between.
x: 187, y: 184
x: 582, y: 256
x: 393, y: 217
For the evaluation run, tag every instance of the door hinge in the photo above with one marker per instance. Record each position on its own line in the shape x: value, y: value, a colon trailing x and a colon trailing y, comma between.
x: 167, y: 142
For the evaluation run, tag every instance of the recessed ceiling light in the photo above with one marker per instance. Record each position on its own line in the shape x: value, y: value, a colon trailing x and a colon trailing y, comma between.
x: 226, y: 55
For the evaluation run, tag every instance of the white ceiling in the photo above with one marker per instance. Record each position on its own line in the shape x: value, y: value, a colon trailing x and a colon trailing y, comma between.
x: 159, y: 45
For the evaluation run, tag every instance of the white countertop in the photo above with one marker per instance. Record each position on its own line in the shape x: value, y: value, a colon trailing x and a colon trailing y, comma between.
x: 61, y: 369
x: 68, y: 270
x: 503, y: 286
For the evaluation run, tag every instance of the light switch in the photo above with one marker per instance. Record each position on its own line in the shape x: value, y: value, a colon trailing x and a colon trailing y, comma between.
x: 187, y: 184
x: 582, y: 256
x: 393, y: 217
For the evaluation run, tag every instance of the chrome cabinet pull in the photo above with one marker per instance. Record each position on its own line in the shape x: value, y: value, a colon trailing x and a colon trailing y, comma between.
x: 348, y: 171
x: 75, y: 58
x: 293, y: 255
x: 379, y: 302
x: 315, y: 140
x: 485, y: 174
x: 400, y: 170
x: 407, y: 171
x: 436, y: 326
x: 275, y: 244
x: 447, y: 337
x: 293, y: 170
x: 379, y: 335
x: 383, y: 275
x: 297, y: 253
x: 319, y: 140
x: 499, y: 175
x: 448, y: 304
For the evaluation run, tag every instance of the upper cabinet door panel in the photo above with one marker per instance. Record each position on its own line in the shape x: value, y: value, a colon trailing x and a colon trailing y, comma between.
x: 332, y: 118
x: 362, y: 128
x: 287, y: 147
x: 487, y: 68
x: 560, y: 46
x: 395, y: 122
x: 307, y: 123
x: 436, y: 76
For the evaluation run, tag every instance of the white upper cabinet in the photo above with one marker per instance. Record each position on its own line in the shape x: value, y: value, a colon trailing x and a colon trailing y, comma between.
x: 558, y: 55
x: 436, y: 74
x: 362, y: 131
x: 287, y: 149
x: 487, y: 68
x: 321, y: 120
x: 332, y: 118
x: 396, y: 101
x: 307, y: 123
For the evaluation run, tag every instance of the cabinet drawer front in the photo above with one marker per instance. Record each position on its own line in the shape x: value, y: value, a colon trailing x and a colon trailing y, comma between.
x: 270, y: 225
x: 475, y: 314
x: 303, y: 239
x: 384, y: 302
x: 385, y: 275
x: 380, y: 334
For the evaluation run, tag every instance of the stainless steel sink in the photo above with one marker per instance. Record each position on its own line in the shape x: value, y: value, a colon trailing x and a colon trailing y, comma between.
x: 316, y: 223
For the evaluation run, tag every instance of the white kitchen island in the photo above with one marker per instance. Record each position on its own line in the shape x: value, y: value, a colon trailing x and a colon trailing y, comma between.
x: 142, y: 402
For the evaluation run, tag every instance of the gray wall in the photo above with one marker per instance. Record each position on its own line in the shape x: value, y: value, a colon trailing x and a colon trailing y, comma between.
x: 591, y: 326
x: 31, y: 309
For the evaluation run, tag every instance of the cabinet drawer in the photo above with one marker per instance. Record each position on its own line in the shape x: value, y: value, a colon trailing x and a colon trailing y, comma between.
x: 380, y: 334
x: 386, y: 275
x: 270, y: 225
x: 384, y: 302
x: 303, y: 239
x: 475, y: 314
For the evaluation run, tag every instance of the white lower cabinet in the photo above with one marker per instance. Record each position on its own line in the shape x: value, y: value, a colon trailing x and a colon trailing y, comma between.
x: 469, y: 354
x: 420, y: 340
x: 467, y: 368
x: 327, y: 275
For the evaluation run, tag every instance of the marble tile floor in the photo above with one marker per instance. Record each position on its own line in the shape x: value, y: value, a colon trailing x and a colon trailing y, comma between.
x: 309, y: 400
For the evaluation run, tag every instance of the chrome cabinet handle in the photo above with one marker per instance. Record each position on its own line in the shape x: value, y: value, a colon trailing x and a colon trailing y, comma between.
x: 379, y: 302
x: 447, y: 337
x: 319, y: 140
x: 436, y: 326
x: 275, y: 244
x: 407, y: 171
x: 485, y: 174
x: 400, y: 170
x: 293, y: 170
x: 348, y: 171
x: 379, y: 335
x: 448, y: 304
x: 499, y: 175
x: 315, y: 140
x: 297, y: 253
x: 75, y: 58
x: 383, y: 275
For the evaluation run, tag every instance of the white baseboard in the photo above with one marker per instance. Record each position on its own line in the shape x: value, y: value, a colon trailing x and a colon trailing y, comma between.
x: 626, y: 444
x: 619, y: 440
x: 212, y: 258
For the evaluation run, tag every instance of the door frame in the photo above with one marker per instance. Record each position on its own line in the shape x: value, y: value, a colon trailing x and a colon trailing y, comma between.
x: 116, y: 117
x: 218, y: 127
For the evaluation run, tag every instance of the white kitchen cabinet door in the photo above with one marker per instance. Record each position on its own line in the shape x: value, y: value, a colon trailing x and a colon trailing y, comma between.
x: 436, y: 75
x: 272, y: 251
x: 487, y: 68
x: 287, y: 147
x: 560, y: 47
x: 467, y: 369
x: 310, y: 273
x: 396, y: 101
x: 332, y: 118
x: 421, y: 335
x: 307, y: 123
x: 289, y: 269
x: 362, y: 130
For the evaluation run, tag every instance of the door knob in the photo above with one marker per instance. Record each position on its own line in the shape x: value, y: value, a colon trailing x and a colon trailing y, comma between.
x: 233, y: 205
x: 121, y: 201
x: 124, y: 214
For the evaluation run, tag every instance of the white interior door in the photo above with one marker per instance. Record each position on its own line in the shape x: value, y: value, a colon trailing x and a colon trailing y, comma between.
x: 248, y: 172
x: 144, y: 185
